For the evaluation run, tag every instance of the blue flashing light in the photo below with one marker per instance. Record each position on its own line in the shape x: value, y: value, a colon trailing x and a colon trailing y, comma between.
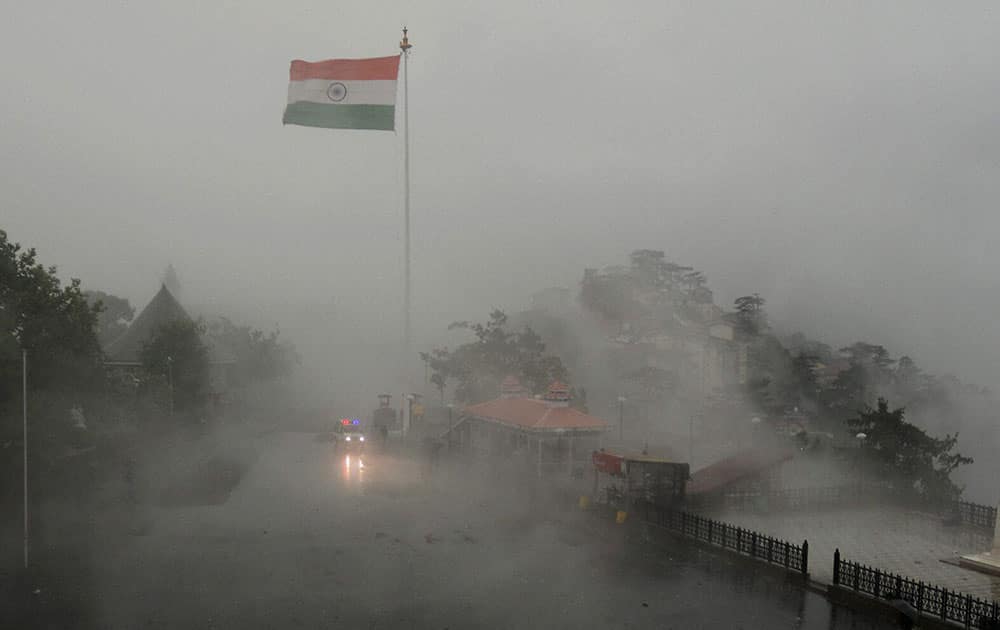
x: 357, y: 421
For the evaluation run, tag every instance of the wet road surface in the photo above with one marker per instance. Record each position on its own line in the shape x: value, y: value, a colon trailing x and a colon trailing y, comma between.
x: 315, y: 538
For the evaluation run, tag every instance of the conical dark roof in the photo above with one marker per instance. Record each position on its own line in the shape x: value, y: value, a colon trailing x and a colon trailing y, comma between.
x: 163, y: 309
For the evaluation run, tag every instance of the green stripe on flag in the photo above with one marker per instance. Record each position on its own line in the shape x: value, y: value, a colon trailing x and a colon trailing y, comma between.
x: 333, y: 116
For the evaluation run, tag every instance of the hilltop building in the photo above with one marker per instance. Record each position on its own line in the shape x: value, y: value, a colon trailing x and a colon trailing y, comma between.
x: 661, y: 319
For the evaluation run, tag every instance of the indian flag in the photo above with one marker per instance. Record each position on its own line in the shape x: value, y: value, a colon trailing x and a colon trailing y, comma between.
x: 343, y: 93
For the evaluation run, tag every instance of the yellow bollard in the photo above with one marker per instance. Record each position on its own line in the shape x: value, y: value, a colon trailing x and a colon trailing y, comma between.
x: 620, y: 517
x: 584, y: 502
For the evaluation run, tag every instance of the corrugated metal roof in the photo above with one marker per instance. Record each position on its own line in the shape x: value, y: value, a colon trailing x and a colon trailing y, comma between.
x: 734, y: 468
x: 637, y: 457
x: 534, y: 414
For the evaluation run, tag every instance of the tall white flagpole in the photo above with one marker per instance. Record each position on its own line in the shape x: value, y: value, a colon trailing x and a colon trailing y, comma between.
x: 405, y: 46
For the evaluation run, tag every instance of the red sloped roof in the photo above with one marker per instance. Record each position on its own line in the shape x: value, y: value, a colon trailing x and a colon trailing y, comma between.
x: 531, y: 413
x: 731, y: 469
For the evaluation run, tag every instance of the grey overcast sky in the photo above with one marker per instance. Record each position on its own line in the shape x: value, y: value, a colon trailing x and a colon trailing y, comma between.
x: 842, y: 159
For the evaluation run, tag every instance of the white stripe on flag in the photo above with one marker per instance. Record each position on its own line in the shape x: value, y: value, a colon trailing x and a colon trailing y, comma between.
x: 351, y: 92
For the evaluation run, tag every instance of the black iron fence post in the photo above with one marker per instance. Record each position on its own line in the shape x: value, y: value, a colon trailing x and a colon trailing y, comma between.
x: 742, y: 540
x: 836, y: 566
x: 954, y: 606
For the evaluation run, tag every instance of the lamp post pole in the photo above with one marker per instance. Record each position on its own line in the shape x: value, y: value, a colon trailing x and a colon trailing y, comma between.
x: 691, y: 440
x: 621, y: 418
x: 861, y: 465
x: 451, y: 407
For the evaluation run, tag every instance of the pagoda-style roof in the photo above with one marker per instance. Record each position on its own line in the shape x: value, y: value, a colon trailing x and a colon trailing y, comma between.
x: 161, y: 310
x: 511, y: 387
x: 558, y: 392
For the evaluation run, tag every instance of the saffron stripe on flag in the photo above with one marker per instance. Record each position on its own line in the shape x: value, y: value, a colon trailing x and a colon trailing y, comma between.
x: 374, y: 69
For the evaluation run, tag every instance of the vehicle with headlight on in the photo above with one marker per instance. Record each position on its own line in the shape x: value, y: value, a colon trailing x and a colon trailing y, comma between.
x: 350, y: 435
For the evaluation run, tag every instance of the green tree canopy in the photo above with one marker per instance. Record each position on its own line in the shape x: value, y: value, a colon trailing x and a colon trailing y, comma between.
x: 259, y: 356
x: 478, y: 367
x: 52, y: 321
x: 114, y: 315
x: 904, y: 454
x: 750, y: 316
x: 177, y: 352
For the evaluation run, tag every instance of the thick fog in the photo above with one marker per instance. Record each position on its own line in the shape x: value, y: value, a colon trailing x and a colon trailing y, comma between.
x: 841, y: 160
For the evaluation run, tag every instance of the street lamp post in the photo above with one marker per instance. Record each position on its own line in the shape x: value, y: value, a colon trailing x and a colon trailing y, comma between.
x: 410, y: 399
x: 691, y: 439
x: 451, y: 407
x: 621, y: 418
x: 861, y: 436
x: 409, y: 414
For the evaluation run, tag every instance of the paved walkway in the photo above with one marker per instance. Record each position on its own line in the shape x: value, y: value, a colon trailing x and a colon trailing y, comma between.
x: 911, y: 544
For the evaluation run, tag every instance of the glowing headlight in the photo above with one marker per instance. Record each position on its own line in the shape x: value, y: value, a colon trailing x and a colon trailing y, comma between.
x: 348, y: 438
x: 362, y: 438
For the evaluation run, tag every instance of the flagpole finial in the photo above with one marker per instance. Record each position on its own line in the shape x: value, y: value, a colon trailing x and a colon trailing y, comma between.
x: 405, y: 45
